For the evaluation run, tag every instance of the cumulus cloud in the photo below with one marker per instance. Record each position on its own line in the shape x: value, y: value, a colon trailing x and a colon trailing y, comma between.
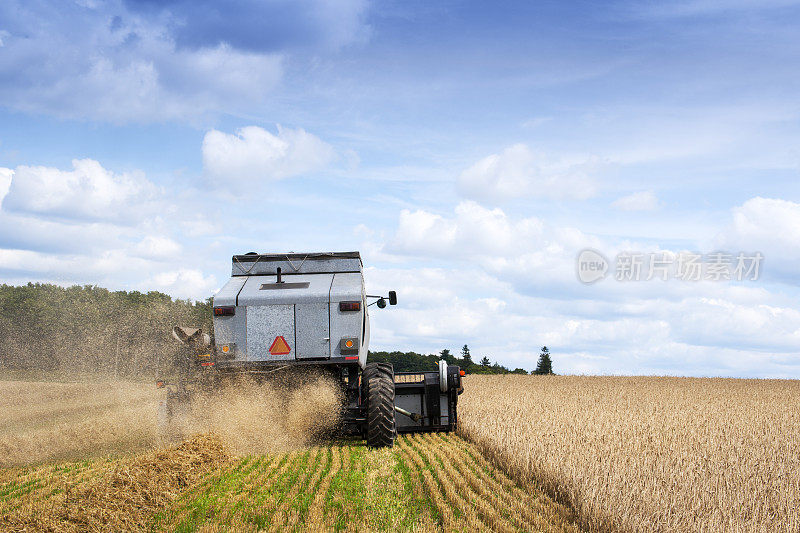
x: 182, y: 283
x: 727, y: 331
x: 157, y: 247
x: 88, y: 192
x: 519, y: 172
x: 638, y: 201
x: 507, y: 286
x: 103, y: 62
x: 763, y: 222
x: 92, y: 225
x: 253, y: 154
x: 770, y: 226
x: 526, y: 250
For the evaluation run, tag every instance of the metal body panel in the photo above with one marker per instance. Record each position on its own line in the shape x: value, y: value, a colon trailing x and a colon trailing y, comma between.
x: 318, y: 290
x: 312, y: 330
x: 228, y: 293
x: 264, y: 324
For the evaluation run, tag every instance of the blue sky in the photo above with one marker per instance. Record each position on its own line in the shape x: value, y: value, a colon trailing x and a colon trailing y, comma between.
x: 469, y: 150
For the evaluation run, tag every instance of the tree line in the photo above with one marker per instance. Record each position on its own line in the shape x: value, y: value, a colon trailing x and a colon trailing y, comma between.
x: 91, y: 330
x: 411, y: 361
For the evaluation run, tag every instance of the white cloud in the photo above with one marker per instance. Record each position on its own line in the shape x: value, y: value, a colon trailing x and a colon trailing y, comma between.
x: 91, y: 225
x: 526, y: 267
x: 519, y: 172
x: 525, y: 249
x: 767, y: 222
x: 182, y: 283
x: 88, y: 191
x: 157, y: 247
x: 253, y: 154
x: 770, y: 226
x: 638, y: 201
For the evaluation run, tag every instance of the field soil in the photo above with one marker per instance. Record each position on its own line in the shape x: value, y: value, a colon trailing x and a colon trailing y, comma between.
x: 647, y: 453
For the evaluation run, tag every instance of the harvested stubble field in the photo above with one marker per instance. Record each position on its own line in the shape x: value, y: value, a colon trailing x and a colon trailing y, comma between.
x: 243, y: 482
x: 647, y: 453
x: 426, y: 483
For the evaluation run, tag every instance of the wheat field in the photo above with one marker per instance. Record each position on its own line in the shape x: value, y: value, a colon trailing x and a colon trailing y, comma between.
x: 647, y: 453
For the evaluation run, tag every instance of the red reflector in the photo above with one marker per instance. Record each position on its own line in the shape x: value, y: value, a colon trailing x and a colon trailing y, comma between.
x: 462, y: 373
x: 224, y: 311
x: 349, y: 306
x: 206, y: 364
x: 351, y: 358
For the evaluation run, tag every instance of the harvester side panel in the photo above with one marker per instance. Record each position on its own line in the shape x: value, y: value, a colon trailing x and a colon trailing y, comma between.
x: 265, y: 323
x: 347, y: 287
x: 312, y: 330
x: 229, y: 330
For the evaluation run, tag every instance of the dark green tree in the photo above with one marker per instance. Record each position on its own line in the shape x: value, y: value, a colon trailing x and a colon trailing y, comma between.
x: 465, y: 356
x: 519, y: 371
x: 485, y: 362
x: 447, y: 356
x: 545, y: 365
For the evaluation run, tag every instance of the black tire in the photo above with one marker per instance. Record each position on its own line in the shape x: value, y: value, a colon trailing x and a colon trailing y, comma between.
x: 379, y: 394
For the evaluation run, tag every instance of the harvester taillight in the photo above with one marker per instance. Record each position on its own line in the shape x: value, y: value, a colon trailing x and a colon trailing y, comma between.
x: 349, y: 306
x: 348, y: 346
x: 225, y: 311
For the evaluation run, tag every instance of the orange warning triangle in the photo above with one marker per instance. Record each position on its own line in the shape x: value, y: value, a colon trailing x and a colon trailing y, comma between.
x: 279, y: 346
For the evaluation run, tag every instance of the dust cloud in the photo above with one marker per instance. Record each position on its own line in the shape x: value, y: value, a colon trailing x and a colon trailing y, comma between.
x: 276, y: 415
x: 46, y: 421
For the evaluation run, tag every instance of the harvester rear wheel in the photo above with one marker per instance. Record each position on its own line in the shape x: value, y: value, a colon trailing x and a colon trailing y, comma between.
x: 379, y: 393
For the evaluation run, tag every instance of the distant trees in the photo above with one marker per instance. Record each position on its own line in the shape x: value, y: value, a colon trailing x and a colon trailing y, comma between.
x: 411, y: 361
x: 545, y: 365
x: 91, y: 330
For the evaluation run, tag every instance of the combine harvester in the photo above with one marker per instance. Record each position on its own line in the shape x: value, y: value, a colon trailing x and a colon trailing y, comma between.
x: 283, y: 312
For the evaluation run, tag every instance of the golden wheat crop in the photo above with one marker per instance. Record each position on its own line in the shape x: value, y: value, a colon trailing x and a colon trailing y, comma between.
x: 647, y: 453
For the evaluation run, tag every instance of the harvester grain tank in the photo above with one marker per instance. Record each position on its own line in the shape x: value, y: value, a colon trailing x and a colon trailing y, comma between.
x: 281, y: 312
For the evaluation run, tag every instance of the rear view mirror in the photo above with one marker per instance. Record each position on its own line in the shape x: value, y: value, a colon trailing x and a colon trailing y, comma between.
x: 392, y: 298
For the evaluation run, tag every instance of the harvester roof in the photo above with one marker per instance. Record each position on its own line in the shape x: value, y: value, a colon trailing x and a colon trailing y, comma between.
x: 254, y: 264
